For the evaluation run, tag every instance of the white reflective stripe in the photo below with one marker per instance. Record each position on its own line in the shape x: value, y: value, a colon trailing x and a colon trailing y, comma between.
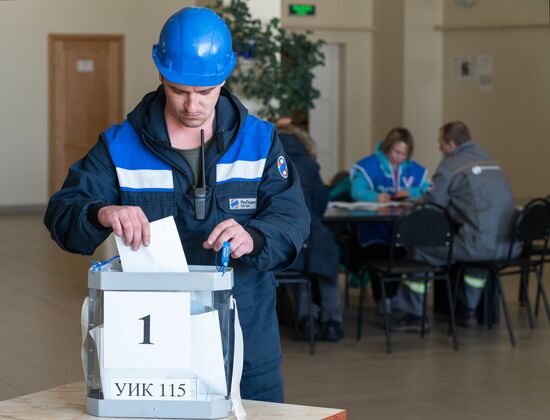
x: 238, y: 357
x: 416, y: 286
x: 240, y: 169
x: 145, y: 178
x: 367, y: 177
x: 475, y: 282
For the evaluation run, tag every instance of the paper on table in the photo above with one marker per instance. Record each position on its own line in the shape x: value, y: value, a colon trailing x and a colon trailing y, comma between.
x: 364, y: 205
x: 164, y: 253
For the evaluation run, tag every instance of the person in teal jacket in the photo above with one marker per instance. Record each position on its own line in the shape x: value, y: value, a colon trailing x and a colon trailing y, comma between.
x: 245, y: 191
x: 388, y: 174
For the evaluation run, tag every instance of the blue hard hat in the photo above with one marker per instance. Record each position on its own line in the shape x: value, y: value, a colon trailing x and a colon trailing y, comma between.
x: 195, y: 48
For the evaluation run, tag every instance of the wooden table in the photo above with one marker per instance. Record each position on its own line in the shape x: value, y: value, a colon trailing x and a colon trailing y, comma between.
x: 67, y: 402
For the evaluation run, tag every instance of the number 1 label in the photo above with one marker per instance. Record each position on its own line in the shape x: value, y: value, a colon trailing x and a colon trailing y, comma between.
x: 147, y: 330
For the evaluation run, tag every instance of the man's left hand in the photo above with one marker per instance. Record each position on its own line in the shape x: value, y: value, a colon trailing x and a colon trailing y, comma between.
x: 230, y: 231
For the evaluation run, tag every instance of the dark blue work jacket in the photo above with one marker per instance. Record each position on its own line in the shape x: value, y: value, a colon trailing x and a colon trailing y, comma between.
x: 249, y: 179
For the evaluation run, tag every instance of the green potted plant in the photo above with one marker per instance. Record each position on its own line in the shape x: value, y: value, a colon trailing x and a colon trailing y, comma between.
x: 275, y: 66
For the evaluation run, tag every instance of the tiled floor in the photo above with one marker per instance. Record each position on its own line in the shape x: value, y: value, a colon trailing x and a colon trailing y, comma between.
x: 41, y: 290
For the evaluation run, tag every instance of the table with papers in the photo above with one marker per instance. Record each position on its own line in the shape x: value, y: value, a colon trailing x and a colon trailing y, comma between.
x: 363, y: 211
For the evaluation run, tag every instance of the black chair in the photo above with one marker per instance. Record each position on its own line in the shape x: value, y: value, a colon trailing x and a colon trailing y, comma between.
x: 542, y: 252
x: 422, y: 225
x: 347, y: 239
x: 345, y: 233
x: 296, y: 278
x: 532, y: 225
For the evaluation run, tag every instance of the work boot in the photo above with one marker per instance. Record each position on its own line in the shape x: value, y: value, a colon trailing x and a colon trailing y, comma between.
x: 332, y: 331
x: 409, y: 323
x: 467, y: 318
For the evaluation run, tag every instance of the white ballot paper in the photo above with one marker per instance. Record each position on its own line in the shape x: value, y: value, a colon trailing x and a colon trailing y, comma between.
x: 207, y: 353
x: 164, y: 253
x: 364, y: 205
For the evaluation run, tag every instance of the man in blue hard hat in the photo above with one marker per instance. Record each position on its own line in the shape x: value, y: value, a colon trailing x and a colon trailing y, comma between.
x: 236, y: 185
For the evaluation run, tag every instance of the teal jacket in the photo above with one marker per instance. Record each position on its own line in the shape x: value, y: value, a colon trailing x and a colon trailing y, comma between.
x: 374, y: 175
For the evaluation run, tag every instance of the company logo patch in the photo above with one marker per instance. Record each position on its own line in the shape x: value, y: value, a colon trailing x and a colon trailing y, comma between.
x: 478, y: 169
x: 242, y: 203
x: 282, y: 167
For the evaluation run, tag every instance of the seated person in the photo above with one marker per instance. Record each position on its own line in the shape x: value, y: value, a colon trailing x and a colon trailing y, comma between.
x: 389, y: 173
x: 321, y: 258
x: 475, y: 191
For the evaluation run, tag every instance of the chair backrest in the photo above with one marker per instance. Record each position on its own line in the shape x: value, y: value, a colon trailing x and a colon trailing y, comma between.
x: 423, y: 225
x: 340, y: 187
x: 533, y: 222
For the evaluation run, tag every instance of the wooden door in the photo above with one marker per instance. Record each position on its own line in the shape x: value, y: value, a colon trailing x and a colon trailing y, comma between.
x: 86, y: 96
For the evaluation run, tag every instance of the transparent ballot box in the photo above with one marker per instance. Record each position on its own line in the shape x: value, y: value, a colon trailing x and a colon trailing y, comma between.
x: 159, y: 345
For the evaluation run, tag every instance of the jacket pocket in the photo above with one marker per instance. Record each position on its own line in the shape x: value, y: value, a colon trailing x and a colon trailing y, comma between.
x: 155, y: 205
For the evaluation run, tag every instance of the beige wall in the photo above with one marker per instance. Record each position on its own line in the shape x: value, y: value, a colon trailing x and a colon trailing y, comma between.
x: 387, y: 66
x: 511, y: 120
x: 407, y: 72
x: 496, y: 12
x: 348, y: 24
x: 265, y: 10
x: 423, y: 73
x: 24, y: 29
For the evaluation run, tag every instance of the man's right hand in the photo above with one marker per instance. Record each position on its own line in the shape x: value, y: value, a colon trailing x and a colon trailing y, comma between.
x: 128, y: 222
x: 401, y: 195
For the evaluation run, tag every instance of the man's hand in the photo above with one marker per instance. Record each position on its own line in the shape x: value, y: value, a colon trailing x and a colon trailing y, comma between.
x: 229, y: 230
x: 126, y: 221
